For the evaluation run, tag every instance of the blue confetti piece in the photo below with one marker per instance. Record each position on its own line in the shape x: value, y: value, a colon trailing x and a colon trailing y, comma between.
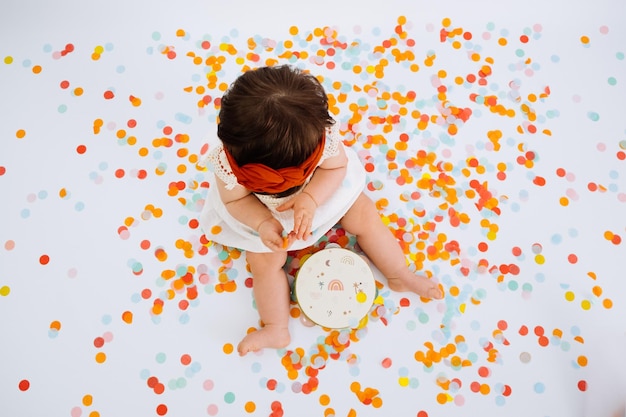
x: 593, y: 116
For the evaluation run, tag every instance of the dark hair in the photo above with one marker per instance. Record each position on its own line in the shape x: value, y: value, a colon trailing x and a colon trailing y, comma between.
x: 275, y: 116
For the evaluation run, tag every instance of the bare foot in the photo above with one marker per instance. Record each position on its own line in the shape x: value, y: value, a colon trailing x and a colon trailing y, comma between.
x: 270, y: 336
x: 419, y: 284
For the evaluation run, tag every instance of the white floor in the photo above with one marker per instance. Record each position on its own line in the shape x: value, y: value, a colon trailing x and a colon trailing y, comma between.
x: 512, y: 194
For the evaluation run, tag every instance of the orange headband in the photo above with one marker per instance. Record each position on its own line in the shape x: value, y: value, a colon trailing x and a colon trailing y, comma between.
x: 260, y: 178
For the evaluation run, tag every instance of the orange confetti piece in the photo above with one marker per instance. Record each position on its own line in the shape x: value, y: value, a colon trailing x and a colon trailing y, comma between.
x: 135, y: 101
x: 127, y: 317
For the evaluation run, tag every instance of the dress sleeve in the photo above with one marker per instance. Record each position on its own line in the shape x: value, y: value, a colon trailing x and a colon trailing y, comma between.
x: 218, y: 163
x: 333, y: 140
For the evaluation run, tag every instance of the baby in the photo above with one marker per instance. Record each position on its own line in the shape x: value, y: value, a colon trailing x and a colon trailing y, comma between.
x: 282, y: 180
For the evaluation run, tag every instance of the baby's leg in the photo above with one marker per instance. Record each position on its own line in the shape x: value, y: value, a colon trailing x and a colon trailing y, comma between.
x: 383, y: 250
x: 271, y: 293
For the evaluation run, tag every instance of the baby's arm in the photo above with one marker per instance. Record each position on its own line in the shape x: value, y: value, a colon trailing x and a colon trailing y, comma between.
x: 246, y: 208
x: 327, y: 177
x: 324, y: 182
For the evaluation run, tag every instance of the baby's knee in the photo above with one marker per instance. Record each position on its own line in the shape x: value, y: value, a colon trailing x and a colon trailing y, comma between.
x: 361, y: 214
x: 266, y: 260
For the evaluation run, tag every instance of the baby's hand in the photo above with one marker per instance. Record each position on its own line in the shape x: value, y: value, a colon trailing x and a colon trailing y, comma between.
x: 303, y: 206
x: 271, y: 233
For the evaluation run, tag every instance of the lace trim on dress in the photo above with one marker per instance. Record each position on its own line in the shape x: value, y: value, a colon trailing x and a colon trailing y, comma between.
x: 217, y: 161
x: 333, y: 139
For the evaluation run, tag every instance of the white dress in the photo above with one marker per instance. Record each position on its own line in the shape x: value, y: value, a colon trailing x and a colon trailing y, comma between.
x: 221, y: 227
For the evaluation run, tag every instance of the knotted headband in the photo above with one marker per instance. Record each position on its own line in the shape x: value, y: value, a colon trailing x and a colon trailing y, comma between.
x: 260, y: 178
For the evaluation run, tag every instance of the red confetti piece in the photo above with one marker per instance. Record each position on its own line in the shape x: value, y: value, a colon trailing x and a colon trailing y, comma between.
x: 98, y: 342
x: 24, y: 385
x: 159, y: 388
x: 484, y: 372
x: 386, y: 363
x: 271, y: 384
x: 161, y: 409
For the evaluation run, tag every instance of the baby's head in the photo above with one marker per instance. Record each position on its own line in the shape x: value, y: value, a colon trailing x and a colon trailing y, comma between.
x: 275, y: 116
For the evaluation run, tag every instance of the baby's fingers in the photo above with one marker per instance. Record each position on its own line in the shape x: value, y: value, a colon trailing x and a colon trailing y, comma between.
x: 303, y: 230
x: 299, y: 226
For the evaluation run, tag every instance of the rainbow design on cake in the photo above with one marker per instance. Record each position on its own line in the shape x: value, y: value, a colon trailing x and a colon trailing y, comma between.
x: 335, y: 285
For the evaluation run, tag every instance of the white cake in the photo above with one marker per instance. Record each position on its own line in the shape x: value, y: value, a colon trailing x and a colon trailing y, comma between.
x: 335, y: 288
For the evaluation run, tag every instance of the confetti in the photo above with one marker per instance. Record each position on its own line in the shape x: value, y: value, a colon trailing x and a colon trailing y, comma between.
x: 469, y: 160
